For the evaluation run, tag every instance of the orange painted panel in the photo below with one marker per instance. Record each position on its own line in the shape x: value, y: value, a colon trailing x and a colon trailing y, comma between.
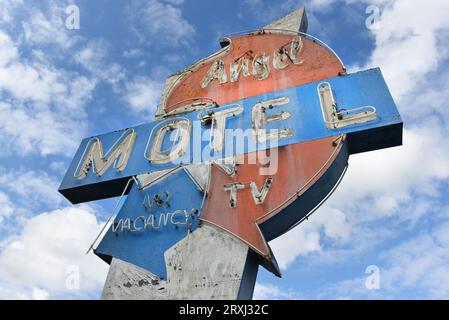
x: 299, y: 167
x: 318, y: 63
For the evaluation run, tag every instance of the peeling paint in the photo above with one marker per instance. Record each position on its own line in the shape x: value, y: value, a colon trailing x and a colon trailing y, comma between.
x: 192, y: 264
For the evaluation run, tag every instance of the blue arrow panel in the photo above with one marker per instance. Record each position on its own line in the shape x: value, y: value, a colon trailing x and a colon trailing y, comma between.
x: 145, y: 228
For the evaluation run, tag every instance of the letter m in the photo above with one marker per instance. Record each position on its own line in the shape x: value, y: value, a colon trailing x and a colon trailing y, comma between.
x: 118, y: 154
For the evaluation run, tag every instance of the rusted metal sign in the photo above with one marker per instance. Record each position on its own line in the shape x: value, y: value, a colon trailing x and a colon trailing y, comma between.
x: 249, y: 140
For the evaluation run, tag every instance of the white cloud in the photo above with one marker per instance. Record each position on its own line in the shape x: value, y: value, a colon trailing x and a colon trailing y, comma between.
x: 306, y: 238
x: 42, y: 109
x: 40, y: 261
x: 6, y: 8
x: 297, y: 242
x: 175, y: 2
x: 58, y: 166
x: 93, y: 57
x: 407, y: 46
x: 29, y: 128
x: 132, y: 53
x: 39, y: 294
x: 23, y: 80
x: 6, y: 206
x: 419, y: 264
x: 272, y: 292
x: 49, y: 28
x: 393, y: 173
x: 142, y: 95
x: 8, y: 51
x: 263, y: 292
x: 31, y: 188
x: 159, y: 21
x: 43, y: 103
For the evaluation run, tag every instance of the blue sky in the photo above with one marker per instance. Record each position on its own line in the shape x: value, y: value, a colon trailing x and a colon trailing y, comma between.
x: 59, y: 85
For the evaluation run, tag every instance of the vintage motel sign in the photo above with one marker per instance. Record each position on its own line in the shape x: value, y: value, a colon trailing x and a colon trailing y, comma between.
x: 288, y: 94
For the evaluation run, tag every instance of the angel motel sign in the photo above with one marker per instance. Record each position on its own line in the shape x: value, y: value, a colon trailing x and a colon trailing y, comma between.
x: 249, y: 141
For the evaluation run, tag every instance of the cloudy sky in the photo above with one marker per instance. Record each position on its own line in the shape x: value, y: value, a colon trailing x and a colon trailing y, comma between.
x: 383, y: 234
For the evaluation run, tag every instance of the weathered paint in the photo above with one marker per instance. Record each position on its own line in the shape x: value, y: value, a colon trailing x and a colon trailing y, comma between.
x: 126, y: 281
x: 300, y: 167
x: 194, y: 269
x: 318, y: 63
x: 144, y: 229
x: 208, y: 259
x: 306, y: 123
x: 294, y: 22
